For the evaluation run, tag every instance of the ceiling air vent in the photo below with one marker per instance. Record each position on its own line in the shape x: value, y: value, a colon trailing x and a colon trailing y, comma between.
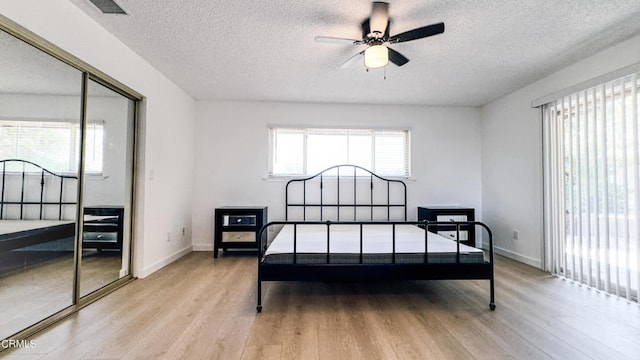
x: 108, y: 7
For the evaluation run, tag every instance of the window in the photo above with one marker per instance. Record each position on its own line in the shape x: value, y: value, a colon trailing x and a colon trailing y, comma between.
x: 309, y: 151
x: 592, y: 186
x: 53, y: 145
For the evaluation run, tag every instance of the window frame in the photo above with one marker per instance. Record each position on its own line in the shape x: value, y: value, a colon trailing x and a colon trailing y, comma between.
x: 342, y: 131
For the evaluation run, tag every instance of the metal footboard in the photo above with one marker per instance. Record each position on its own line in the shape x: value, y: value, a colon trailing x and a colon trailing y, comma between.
x: 361, y: 270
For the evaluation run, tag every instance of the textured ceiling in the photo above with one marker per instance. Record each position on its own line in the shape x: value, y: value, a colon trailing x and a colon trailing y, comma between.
x: 27, y: 70
x: 40, y: 74
x: 265, y: 50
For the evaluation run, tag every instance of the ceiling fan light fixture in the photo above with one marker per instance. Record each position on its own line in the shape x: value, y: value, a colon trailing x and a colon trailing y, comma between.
x: 376, y: 56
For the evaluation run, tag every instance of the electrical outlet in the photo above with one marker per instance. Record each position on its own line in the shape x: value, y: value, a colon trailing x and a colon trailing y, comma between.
x: 516, y: 234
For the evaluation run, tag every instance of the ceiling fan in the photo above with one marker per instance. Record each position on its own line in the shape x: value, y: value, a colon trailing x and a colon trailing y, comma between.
x: 375, y: 34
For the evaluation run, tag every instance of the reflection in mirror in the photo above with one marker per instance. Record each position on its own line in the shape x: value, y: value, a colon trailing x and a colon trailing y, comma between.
x: 107, y: 188
x: 40, y: 110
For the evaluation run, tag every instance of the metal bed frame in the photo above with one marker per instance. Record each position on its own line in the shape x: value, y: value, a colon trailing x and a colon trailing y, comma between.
x: 44, y: 173
x: 49, y: 179
x: 40, y: 235
x: 328, y: 271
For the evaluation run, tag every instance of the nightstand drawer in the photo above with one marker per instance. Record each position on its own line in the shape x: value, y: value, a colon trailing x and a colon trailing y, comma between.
x: 464, y: 235
x: 239, y: 220
x: 451, y: 217
x: 239, y: 236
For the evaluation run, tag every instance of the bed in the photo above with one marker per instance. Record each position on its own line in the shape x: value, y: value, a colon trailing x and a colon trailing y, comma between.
x: 349, y: 224
x: 16, y: 234
x: 37, y: 205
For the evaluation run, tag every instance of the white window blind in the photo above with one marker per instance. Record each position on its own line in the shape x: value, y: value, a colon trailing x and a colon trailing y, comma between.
x: 53, y: 145
x: 592, y: 187
x: 309, y: 151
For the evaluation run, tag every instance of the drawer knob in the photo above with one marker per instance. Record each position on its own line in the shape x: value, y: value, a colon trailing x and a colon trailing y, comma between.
x: 237, y: 236
x: 239, y: 220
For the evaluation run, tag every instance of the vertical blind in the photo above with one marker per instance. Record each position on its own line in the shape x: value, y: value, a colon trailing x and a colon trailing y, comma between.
x: 592, y: 187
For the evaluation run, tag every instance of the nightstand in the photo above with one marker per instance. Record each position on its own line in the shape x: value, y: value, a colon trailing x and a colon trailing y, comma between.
x: 450, y: 213
x: 103, y: 227
x: 237, y: 227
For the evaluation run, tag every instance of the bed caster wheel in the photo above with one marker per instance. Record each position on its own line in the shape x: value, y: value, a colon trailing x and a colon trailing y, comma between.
x: 259, y: 308
x: 492, y: 306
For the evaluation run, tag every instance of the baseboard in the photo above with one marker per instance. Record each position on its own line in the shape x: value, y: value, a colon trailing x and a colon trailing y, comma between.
x: 164, y: 262
x: 202, y: 247
x: 518, y: 257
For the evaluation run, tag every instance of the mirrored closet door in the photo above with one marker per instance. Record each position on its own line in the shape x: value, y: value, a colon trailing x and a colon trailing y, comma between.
x: 108, y: 167
x: 67, y: 138
x: 40, y: 118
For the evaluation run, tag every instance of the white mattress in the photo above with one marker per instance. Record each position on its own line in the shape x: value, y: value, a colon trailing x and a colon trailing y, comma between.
x: 13, y: 226
x: 377, y: 245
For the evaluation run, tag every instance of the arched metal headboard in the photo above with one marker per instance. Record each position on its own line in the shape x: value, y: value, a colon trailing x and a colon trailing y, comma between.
x: 394, y: 196
x: 21, y: 201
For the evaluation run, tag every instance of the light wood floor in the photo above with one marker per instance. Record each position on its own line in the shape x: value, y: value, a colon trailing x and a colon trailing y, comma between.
x: 36, y: 291
x: 201, y: 308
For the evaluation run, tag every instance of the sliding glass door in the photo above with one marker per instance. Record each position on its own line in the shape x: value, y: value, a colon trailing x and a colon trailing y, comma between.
x: 592, y: 186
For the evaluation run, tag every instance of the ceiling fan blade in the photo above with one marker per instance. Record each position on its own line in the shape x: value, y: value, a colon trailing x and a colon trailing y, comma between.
x: 352, y: 60
x: 397, y: 58
x: 366, y: 29
x: 335, y: 40
x: 379, y: 18
x: 418, y: 33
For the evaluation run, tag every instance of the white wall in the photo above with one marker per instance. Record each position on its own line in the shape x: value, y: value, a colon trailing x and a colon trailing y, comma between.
x: 512, y: 148
x: 166, y: 125
x: 232, y: 159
